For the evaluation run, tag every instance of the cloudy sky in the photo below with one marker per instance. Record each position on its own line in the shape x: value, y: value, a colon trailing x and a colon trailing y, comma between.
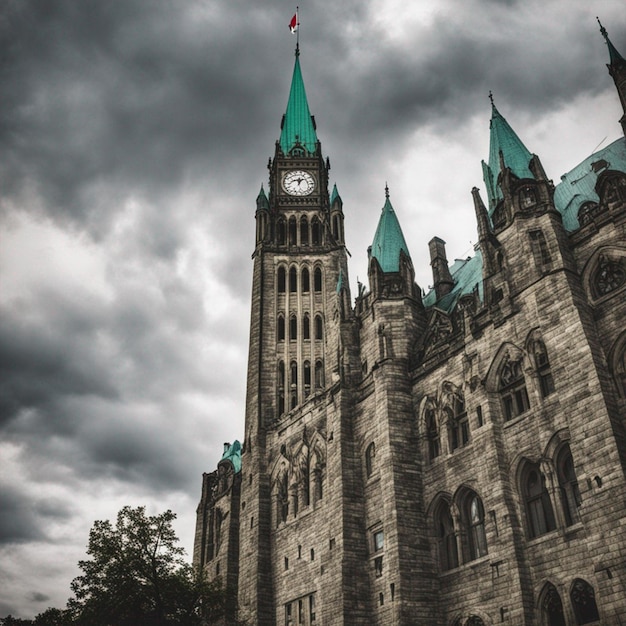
x: 134, y: 137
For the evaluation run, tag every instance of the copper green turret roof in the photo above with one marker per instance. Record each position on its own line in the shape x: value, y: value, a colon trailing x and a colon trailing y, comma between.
x: 334, y: 195
x: 297, y: 124
x: 503, y: 139
x: 388, y: 240
x: 614, y: 56
x: 232, y: 453
x: 262, y: 201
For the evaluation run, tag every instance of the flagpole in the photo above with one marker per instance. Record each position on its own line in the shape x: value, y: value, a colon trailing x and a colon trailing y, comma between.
x: 297, y: 30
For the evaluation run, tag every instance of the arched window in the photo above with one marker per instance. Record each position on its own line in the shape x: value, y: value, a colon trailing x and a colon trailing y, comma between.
x: 304, y: 231
x: 585, y: 213
x: 316, y: 234
x: 293, y: 231
x: 293, y: 390
x: 537, y: 503
x: 281, y: 279
x: 319, y: 327
x: 293, y: 328
x: 542, y: 366
x: 317, y: 280
x: 512, y: 387
x: 583, y: 600
x: 319, y: 375
x: 306, y: 371
x: 336, y: 227
x: 527, y: 197
x: 281, y: 388
x: 293, y: 280
x: 474, y: 620
x: 475, y: 527
x: 551, y: 607
x: 432, y: 434
x: 306, y: 327
x: 609, y: 275
x: 281, y: 232
x: 282, y: 499
x: 370, y: 453
x: 448, y: 553
x: 568, y: 485
x: 458, y: 424
x: 305, y: 280
x: 280, y: 328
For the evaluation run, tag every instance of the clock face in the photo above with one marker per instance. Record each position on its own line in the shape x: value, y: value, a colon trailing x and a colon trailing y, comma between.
x: 298, y: 183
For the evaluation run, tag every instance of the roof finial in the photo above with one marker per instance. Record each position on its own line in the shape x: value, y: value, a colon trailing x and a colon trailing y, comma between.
x: 602, y: 29
x: 491, y: 98
x: 386, y: 191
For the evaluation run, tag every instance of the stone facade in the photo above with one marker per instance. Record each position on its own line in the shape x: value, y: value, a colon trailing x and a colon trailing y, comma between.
x: 453, y: 459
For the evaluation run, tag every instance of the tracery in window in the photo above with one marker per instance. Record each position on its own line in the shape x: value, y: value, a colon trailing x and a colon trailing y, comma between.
x: 568, y: 485
x: 512, y: 388
x: 552, y: 607
x: 539, y: 513
x: 609, y: 275
x: 583, y: 599
x: 539, y: 353
x: 446, y: 538
x: 475, y: 526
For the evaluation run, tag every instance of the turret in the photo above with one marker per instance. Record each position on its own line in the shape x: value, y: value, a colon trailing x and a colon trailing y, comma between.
x: 617, y: 70
x: 442, y: 279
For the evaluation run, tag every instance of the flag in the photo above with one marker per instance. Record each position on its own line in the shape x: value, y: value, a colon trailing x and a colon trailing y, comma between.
x: 293, y: 25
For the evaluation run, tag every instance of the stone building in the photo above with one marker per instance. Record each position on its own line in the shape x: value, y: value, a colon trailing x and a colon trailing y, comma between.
x: 455, y: 458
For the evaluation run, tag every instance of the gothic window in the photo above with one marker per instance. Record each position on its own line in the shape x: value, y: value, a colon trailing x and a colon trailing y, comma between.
x: 527, y: 198
x: 293, y: 280
x: 293, y: 391
x: 539, y: 514
x: 552, y: 607
x: 281, y: 279
x: 306, y: 370
x: 305, y: 280
x: 319, y: 375
x: 293, y: 328
x: 475, y: 526
x: 610, y: 275
x: 542, y: 366
x: 282, y: 500
x: 539, y: 248
x: 304, y: 231
x: 619, y: 365
x: 446, y: 538
x: 432, y: 434
x: 319, y: 327
x: 568, y: 485
x: 512, y: 387
x: 293, y: 231
x: 306, y: 327
x: 280, y: 328
x: 281, y: 232
x: 317, y: 280
x: 316, y: 234
x: 583, y: 600
x: 336, y: 227
x: 458, y: 424
x: 474, y: 620
x: 614, y: 189
x: 370, y: 453
x: 281, y: 388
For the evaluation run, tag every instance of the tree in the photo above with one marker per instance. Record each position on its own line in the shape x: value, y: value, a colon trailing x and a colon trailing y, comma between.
x: 136, y: 576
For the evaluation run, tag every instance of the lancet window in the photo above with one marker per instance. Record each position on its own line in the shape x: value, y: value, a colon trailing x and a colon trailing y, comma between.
x: 512, y: 387
x: 304, y: 231
x: 539, y: 353
x: 280, y: 327
x: 306, y: 327
x: 446, y: 537
x: 568, y: 485
x: 306, y: 285
x: 281, y: 279
x: 317, y: 280
x: 552, y: 607
x: 474, y: 514
x: 319, y: 327
x: 583, y: 599
x: 458, y: 424
x: 293, y: 280
x: 432, y: 434
x: 293, y: 231
x: 539, y: 513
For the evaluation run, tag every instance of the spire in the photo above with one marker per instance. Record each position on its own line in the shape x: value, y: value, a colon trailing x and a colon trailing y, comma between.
x: 388, y: 240
x: 298, y: 126
x: 262, y: 201
x: 335, y: 195
x: 614, y: 56
x: 505, y: 147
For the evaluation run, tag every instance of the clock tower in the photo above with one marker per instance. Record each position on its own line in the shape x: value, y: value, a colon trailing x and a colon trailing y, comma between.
x: 300, y: 286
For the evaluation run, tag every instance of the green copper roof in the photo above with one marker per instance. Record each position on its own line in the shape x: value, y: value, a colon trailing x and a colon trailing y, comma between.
x: 614, y: 56
x: 297, y: 124
x: 261, y: 200
x: 233, y: 454
x: 579, y: 185
x: 388, y: 240
x: 334, y: 195
x: 467, y: 275
x: 516, y: 156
